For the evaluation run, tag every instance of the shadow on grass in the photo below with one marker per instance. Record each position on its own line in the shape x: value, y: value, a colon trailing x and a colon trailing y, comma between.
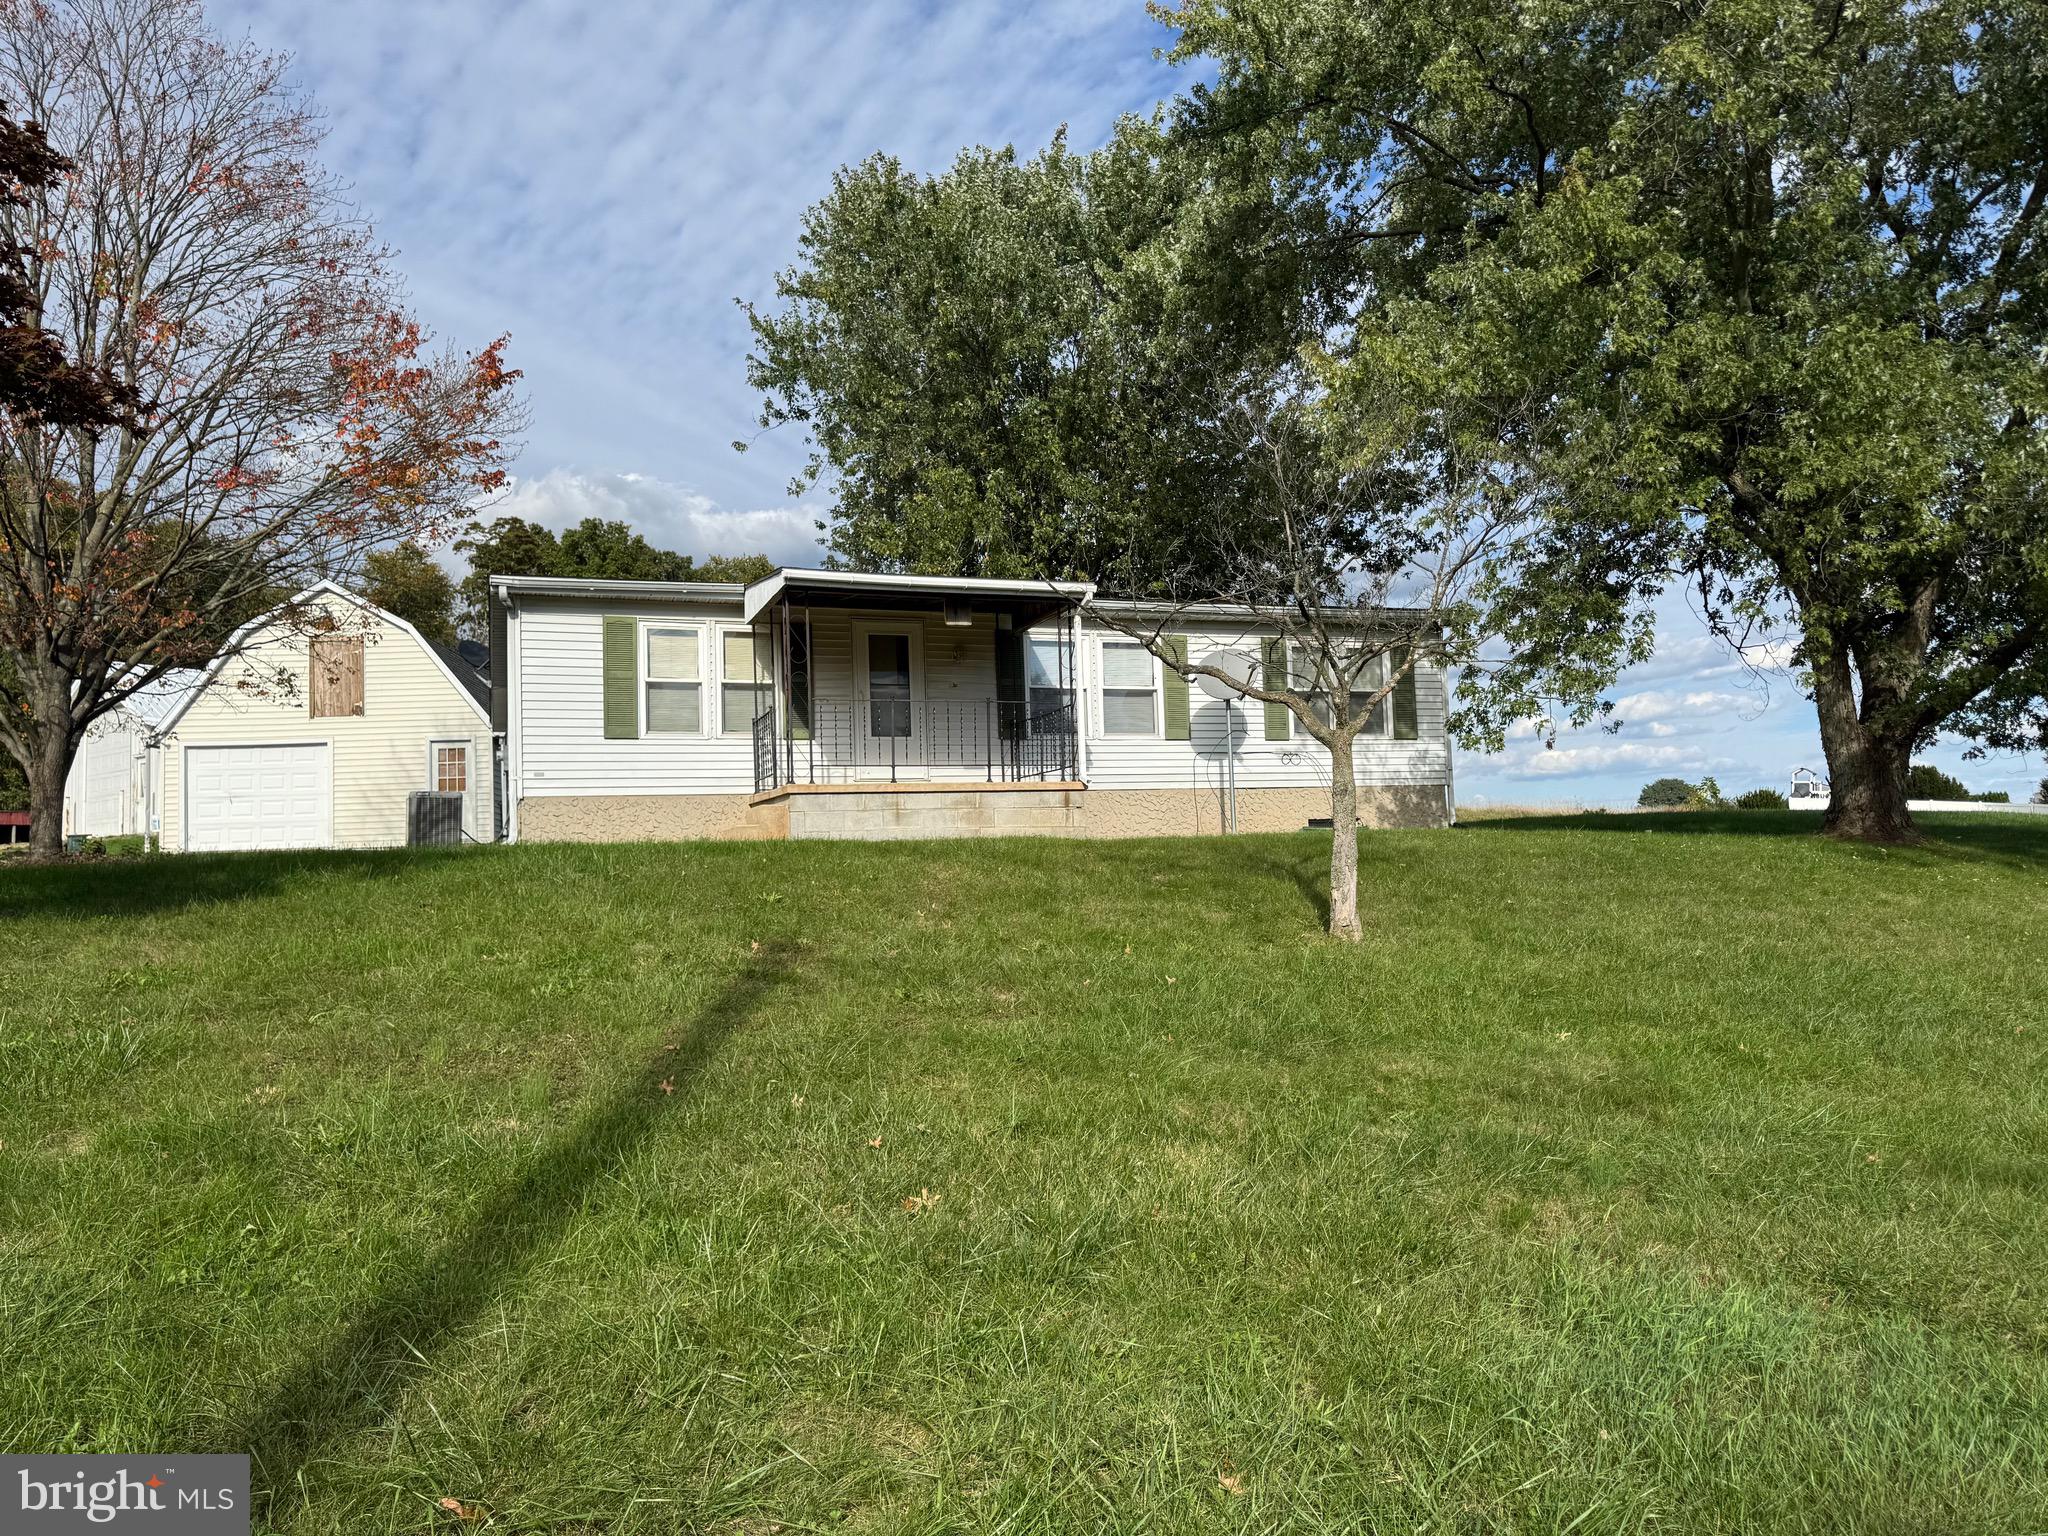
x: 358, y: 1378
x: 1306, y: 863
x: 2020, y: 841
x: 79, y: 890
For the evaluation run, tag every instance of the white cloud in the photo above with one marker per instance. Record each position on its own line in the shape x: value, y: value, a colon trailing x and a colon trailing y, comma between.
x: 1664, y: 704
x: 1568, y: 762
x: 671, y: 516
x: 604, y: 180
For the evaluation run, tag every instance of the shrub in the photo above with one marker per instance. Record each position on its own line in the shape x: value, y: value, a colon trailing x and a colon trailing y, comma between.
x: 2041, y: 794
x: 1665, y: 794
x: 1762, y: 800
x: 1993, y: 797
x: 1924, y: 781
x: 1706, y: 796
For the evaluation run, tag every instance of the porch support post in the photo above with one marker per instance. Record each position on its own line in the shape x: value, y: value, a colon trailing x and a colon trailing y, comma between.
x: 1078, y: 712
x: 788, y: 700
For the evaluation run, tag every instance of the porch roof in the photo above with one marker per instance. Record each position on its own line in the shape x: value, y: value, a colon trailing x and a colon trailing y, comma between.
x: 1025, y: 601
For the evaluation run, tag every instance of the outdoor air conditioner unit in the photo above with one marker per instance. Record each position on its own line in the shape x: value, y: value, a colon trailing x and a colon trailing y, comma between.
x: 433, y: 819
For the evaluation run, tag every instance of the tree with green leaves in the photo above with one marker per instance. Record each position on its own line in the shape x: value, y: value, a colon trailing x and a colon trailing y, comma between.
x: 595, y: 549
x: 407, y: 581
x: 1924, y: 781
x: 1779, y: 272
x: 1667, y: 794
x: 1004, y: 369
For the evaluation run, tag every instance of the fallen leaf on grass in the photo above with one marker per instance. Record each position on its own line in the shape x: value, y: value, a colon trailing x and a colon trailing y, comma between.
x: 668, y: 1085
x: 460, y: 1510
x: 1233, y: 1484
x: 875, y: 1141
x: 923, y: 1200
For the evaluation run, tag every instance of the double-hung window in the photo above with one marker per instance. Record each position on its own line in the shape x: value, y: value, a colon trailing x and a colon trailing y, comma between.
x: 1130, y: 690
x: 675, y: 680
x: 742, y: 692
x: 1372, y: 677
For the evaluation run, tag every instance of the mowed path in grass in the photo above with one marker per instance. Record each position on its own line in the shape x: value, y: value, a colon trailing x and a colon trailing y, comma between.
x: 1674, y: 1173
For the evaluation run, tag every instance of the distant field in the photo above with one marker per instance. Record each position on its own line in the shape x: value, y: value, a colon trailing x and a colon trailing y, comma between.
x: 1678, y: 1172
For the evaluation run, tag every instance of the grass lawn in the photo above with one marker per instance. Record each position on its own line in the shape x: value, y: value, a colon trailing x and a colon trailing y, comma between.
x: 1642, y: 1173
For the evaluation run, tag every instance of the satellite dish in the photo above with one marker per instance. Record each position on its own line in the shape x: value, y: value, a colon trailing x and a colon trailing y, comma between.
x: 1237, y: 666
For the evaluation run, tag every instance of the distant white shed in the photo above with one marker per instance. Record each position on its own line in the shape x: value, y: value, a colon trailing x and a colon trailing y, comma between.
x: 117, y: 778
x: 1808, y: 791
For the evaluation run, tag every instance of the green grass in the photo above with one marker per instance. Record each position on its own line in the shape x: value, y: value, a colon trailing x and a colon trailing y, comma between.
x: 1641, y: 1173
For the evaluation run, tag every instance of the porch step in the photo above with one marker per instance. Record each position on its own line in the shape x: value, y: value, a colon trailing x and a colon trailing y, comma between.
x: 885, y: 814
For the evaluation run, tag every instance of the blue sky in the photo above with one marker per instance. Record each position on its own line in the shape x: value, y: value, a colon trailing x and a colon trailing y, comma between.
x: 605, y: 180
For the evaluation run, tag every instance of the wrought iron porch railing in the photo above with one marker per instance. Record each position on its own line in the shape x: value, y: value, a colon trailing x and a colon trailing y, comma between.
x: 1002, y: 741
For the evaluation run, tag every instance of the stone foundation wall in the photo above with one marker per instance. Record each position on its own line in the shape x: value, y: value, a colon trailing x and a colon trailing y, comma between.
x: 965, y: 812
x: 646, y: 818
x: 1200, y: 812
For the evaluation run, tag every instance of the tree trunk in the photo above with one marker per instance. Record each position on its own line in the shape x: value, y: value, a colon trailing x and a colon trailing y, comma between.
x: 1866, y: 768
x: 51, y: 747
x: 1343, y: 843
x: 49, y: 766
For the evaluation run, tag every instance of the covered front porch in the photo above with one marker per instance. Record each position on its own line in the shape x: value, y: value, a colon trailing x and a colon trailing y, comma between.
x: 866, y: 682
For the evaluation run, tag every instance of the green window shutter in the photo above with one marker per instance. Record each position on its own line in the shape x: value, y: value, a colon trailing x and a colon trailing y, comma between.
x: 1278, y: 716
x: 1173, y: 650
x: 621, y: 678
x: 1404, y: 700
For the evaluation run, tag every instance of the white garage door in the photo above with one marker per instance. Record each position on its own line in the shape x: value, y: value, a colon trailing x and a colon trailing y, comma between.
x: 258, y: 797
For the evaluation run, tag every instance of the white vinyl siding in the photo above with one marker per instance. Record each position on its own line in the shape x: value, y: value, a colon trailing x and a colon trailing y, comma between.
x: 1131, y: 762
x: 557, y: 708
x: 377, y: 758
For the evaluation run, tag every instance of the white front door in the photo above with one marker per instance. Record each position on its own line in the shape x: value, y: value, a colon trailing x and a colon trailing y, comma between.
x: 259, y: 797
x: 888, y: 714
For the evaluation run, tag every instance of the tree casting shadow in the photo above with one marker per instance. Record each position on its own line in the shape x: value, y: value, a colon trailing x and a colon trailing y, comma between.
x: 358, y: 1378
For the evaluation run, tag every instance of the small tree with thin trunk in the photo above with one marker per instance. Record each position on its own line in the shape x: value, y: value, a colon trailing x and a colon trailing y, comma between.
x: 289, y: 414
x: 1365, y: 544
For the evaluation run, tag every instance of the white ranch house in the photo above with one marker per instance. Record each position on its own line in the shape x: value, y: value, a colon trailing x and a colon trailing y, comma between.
x: 836, y: 704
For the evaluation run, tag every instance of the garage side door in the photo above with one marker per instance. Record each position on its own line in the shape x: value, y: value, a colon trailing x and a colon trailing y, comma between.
x: 259, y: 797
